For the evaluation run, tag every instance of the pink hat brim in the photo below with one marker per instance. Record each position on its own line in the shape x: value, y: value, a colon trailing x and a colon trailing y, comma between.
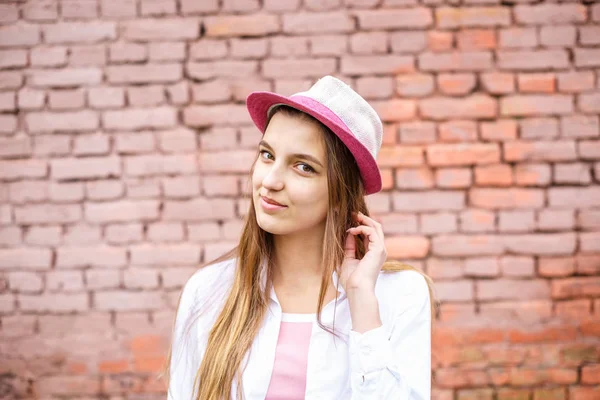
x: 259, y: 103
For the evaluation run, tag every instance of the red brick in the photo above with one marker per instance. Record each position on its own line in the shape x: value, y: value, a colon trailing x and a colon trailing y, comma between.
x: 472, y: 17
x: 375, y: 87
x: 466, y: 245
x: 455, y: 61
x: 590, y: 374
x: 395, y: 110
x: 123, y: 52
x: 575, y: 287
x: 414, y: 178
x: 539, y: 128
x: 500, y: 130
x: 498, y: 82
x: 533, y: 60
x: 556, y: 267
x: 589, y: 102
x: 408, y: 41
x: 157, y: 117
x: 463, y: 154
x: 414, y: 85
x: 559, y: 36
x: 453, y: 177
x: 21, y: 34
x: 575, y: 81
x: 528, y: 105
x: 407, y: 246
x: 537, y: 83
x: 80, y: 32
x: 68, y: 77
x: 476, y: 39
x: 506, y: 198
x: 439, y: 40
x: 574, y: 309
x: 388, y: 64
x: 456, y: 84
x: 494, y: 175
x: 550, y: 13
x: 428, y: 201
x: 418, y: 132
x: 242, y: 25
x: 539, y: 151
x: 458, y: 131
x: 550, y: 394
x: 518, y: 37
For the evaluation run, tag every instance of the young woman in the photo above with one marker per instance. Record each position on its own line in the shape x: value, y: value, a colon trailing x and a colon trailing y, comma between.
x: 306, y: 306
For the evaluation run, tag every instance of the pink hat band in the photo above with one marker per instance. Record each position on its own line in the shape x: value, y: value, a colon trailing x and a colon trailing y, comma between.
x: 343, y: 111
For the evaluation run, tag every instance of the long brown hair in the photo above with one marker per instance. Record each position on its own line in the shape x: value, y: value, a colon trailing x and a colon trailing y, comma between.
x: 246, y: 304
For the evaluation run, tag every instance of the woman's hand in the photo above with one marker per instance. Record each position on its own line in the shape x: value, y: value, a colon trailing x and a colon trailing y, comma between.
x: 361, y: 275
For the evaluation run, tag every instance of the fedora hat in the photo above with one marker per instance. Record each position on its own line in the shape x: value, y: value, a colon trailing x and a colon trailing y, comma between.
x: 342, y: 110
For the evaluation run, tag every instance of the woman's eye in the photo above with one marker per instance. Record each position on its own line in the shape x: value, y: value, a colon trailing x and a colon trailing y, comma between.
x: 262, y: 152
x: 308, y: 168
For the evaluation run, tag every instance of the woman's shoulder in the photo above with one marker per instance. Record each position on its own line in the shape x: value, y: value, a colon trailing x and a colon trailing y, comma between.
x: 393, y: 286
x: 208, y: 280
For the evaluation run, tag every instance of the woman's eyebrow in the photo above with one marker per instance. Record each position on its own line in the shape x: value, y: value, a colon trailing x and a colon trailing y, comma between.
x: 297, y: 155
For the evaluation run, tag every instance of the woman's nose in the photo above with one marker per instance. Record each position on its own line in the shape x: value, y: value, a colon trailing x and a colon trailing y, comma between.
x: 273, y: 180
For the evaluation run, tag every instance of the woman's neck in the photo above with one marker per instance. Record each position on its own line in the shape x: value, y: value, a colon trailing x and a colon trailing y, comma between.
x: 298, y: 259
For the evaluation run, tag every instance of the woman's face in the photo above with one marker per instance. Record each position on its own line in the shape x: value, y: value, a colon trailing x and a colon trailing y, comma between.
x: 290, y: 170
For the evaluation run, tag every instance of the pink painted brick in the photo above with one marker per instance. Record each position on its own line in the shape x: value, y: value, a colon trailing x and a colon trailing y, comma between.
x: 165, y: 255
x: 80, y: 32
x: 199, y: 7
x: 31, y: 99
x: 25, y: 282
x: 455, y: 61
x: 16, y: 169
x: 200, y: 209
x: 28, y: 191
x: 13, y: 58
x: 142, y: 188
x: 516, y: 221
x: 20, y: 34
x: 132, y: 119
x: 175, y: 278
x: 25, y: 258
x: 52, y: 145
x: 312, y: 23
x: 573, y: 173
x: 167, y: 51
x: 104, y: 189
x: 9, y: 13
x: 558, y: 36
x: 66, y: 99
x: 278, y: 6
x: 102, y: 279
x: 43, y: 235
x: 150, y: 165
x: 178, y: 93
x: 165, y: 232
x: 140, y: 278
x: 8, y: 101
x: 64, y: 281
x: 158, y: 7
x: 145, y: 95
x: 48, y: 122
x: 181, y: 186
x: 417, y: 17
x: 123, y: 52
x: 148, y: 73
x: 16, y: 146
x: 88, y: 55
x: 122, y: 211
x: 93, y: 256
x: 539, y: 128
x: 369, y: 42
x: 550, y: 13
x: 248, y: 48
x: 118, y: 8
x: 11, y: 79
x: 57, y: 302
x: 206, y: 116
x: 79, y: 9
x: 328, y: 45
x: 383, y: 64
x: 220, y: 185
x: 106, y: 97
x: 541, y: 244
x: 137, y: 142
x: 85, y: 168
x: 177, y: 141
x: 76, y: 76
x: 123, y: 233
x: 554, y: 220
x: 70, y: 192
x: 438, y: 223
x: 203, y: 232
x: 121, y: 300
x: 10, y: 236
x: 532, y: 60
x: 48, y: 214
x: 91, y: 144
x: 517, y: 266
x: 81, y: 234
x: 208, y: 49
x: 227, y: 69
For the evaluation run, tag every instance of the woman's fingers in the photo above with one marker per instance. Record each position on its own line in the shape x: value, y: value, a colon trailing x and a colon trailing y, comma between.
x: 350, y: 246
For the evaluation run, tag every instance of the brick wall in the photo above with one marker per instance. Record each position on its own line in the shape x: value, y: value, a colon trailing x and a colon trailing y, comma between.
x: 124, y: 143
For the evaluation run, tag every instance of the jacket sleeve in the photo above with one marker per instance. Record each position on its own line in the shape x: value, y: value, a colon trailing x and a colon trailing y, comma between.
x: 394, y: 360
x: 185, y: 358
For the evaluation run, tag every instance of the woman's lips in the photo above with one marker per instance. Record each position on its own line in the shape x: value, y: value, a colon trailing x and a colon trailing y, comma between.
x: 269, y: 206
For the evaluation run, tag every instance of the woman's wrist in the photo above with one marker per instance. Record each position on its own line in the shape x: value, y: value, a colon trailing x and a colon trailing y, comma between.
x: 364, y: 309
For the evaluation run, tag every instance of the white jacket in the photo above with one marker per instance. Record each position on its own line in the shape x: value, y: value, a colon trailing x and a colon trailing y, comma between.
x: 390, y: 362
